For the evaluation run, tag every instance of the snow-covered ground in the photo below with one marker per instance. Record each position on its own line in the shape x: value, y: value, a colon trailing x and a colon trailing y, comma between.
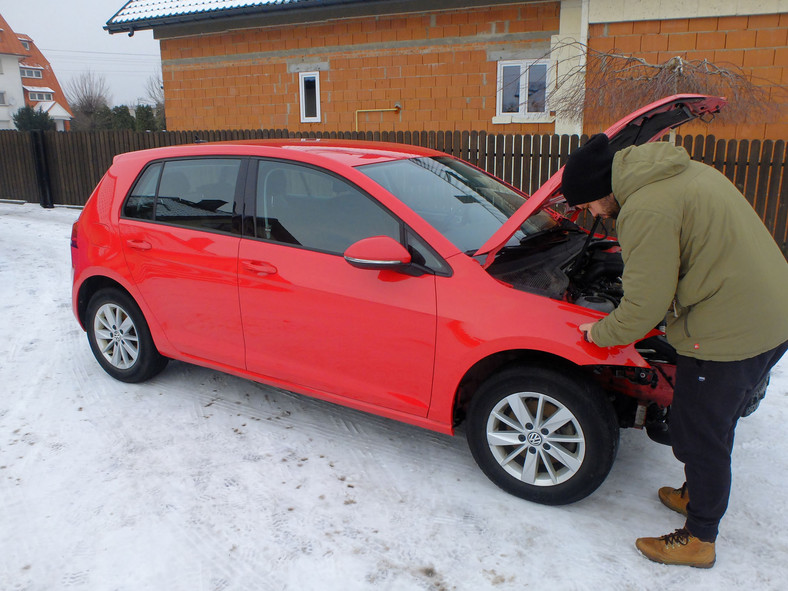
x: 201, y: 481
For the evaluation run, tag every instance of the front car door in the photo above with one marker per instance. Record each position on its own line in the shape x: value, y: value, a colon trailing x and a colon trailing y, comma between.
x: 311, y: 319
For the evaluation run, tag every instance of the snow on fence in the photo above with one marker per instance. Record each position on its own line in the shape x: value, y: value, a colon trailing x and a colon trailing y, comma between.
x: 63, y: 168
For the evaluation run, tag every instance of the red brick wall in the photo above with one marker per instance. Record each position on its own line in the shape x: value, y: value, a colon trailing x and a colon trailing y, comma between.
x: 442, y: 78
x: 756, y: 44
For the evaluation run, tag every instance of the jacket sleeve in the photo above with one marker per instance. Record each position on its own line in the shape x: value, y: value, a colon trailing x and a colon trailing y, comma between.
x: 650, y: 249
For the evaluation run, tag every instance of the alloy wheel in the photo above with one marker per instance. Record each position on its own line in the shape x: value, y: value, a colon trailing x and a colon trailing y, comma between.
x: 116, y: 336
x: 535, y: 438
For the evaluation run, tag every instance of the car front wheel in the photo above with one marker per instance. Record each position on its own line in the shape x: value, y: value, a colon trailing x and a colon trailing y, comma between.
x: 546, y: 436
x: 120, y: 338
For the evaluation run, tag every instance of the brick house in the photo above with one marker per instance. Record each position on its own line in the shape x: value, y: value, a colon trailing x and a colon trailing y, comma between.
x: 373, y: 65
x: 27, y: 79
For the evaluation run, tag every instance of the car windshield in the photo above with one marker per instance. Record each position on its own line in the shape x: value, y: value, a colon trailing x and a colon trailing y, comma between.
x: 463, y: 203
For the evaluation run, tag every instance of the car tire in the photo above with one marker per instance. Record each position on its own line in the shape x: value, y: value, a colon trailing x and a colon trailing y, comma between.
x: 120, y: 338
x: 541, y: 434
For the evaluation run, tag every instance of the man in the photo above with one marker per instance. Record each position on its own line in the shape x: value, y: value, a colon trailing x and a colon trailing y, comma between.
x: 693, y: 247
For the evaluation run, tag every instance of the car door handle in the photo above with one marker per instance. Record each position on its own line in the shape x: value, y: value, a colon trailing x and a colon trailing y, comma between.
x: 138, y: 244
x: 259, y: 267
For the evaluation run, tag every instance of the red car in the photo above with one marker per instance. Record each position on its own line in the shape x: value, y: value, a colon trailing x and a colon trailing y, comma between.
x: 390, y: 278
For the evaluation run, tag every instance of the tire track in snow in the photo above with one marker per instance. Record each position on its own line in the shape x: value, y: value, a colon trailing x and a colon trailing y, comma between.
x: 267, y: 430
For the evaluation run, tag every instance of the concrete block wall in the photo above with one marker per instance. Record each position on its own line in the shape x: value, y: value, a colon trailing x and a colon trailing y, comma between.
x: 438, y: 66
x: 441, y: 67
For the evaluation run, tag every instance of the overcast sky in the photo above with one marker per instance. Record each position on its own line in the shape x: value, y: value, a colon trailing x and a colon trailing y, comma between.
x: 70, y: 34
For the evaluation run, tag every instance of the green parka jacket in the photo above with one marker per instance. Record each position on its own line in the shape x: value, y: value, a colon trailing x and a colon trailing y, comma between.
x: 693, y: 247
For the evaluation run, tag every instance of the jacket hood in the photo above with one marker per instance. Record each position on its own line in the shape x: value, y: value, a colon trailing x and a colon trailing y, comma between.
x: 638, y: 166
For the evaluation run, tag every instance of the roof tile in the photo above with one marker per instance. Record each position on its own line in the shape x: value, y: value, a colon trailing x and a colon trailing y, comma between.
x: 142, y: 10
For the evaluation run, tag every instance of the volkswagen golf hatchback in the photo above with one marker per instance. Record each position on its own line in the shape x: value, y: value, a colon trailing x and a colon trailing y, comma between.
x: 389, y: 278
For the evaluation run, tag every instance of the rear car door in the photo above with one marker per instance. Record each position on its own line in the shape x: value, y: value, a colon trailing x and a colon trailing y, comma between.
x: 180, y: 230
x: 313, y: 320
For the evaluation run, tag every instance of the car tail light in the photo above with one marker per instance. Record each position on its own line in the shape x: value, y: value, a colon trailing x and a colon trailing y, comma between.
x: 74, y: 230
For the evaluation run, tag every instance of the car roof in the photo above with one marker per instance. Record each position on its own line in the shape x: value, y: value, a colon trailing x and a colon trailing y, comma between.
x: 345, y: 152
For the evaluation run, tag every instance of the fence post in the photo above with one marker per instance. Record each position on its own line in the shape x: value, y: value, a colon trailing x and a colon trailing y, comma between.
x: 42, y: 169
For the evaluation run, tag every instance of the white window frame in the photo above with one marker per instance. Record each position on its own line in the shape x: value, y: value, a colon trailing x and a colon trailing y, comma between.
x: 302, y: 77
x: 30, y: 73
x: 523, y: 115
x: 2, y: 97
x: 41, y: 96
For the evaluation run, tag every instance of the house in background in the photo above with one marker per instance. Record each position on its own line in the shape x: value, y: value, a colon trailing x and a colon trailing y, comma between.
x: 27, y: 79
x: 375, y: 65
x: 12, y: 96
x: 42, y: 89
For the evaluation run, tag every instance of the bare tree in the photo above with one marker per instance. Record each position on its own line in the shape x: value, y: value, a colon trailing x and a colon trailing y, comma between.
x: 87, y: 93
x: 608, y: 85
x: 154, y: 89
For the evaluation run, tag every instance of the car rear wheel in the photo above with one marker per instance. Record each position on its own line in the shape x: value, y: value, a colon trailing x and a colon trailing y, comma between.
x: 546, y: 436
x: 120, y: 338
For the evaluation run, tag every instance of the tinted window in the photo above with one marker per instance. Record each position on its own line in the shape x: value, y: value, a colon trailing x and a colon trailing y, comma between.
x: 143, y: 196
x: 307, y: 207
x: 423, y: 255
x: 198, y: 193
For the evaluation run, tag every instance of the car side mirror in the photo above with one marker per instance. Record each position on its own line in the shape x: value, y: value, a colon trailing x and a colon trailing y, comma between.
x: 378, y: 252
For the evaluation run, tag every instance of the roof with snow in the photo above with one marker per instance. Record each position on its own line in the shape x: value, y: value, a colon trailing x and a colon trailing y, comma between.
x: 37, y: 88
x: 54, y: 109
x: 146, y: 14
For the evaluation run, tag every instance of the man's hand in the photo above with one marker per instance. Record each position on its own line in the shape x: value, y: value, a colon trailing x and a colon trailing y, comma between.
x: 586, y: 330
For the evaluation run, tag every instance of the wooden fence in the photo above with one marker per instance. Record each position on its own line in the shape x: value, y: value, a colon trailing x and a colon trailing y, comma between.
x: 63, y: 168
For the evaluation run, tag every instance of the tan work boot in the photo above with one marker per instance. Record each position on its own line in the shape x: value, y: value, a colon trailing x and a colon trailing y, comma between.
x: 675, y: 498
x: 680, y: 547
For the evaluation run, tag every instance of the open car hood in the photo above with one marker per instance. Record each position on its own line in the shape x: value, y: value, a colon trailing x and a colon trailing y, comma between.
x: 644, y: 125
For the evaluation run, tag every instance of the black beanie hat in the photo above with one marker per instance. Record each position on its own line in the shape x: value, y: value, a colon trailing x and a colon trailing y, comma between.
x: 588, y: 173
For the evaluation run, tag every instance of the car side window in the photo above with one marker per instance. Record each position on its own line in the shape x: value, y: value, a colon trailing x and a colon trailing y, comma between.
x: 140, y: 203
x: 425, y: 256
x: 303, y: 206
x: 196, y: 192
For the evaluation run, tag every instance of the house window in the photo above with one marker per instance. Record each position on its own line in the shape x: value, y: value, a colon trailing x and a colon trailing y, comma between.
x: 25, y: 44
x: 522, y: 91
x: 2, y: 98
x: 40, y: 96
x: 309, y: 86
x: 30, y: 73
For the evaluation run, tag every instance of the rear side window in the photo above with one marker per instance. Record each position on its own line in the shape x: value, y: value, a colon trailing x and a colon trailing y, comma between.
x: 302, y: 206
x: 197, y: 193
x: 140, y: 203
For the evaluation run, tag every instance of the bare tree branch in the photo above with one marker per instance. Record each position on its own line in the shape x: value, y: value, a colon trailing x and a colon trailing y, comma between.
x: 87, y: 95
x: 609, y: 85
x: 87, y: 92
x: 154, y: 89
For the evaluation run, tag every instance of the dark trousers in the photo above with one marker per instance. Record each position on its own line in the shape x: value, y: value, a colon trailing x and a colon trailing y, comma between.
x: 709, y: 398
